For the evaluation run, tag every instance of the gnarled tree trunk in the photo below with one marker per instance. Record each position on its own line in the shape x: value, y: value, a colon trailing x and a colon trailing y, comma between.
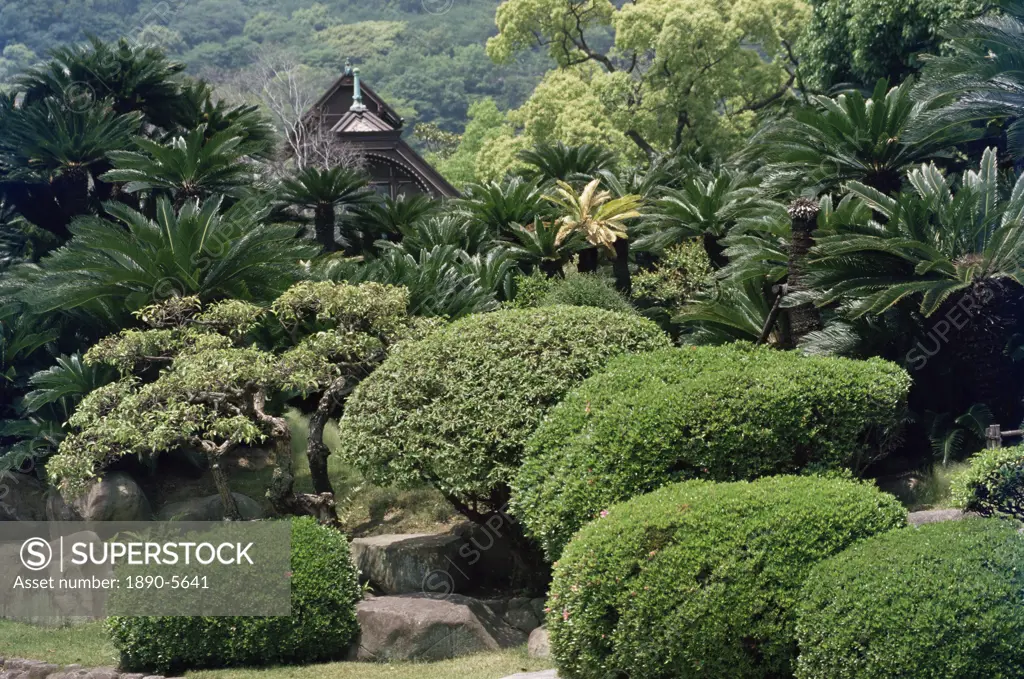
x: 805, y: 317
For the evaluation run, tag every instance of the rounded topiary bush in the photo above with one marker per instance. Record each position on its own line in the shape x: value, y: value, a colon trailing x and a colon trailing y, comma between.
x: 721, y: 413
x: 993, y: 484
x: 322, y: 625
x: 942, y: 601
x: 700, y: 579
x: 455, y: 408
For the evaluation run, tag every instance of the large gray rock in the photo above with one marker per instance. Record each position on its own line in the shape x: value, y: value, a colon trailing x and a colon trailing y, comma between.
x: 539, y: 645
x: 22, y: 498
x: 412, y: 564
x: 209, y: 508
x: 421, y: 628
x: 114, y: 497
x: 937, y: 516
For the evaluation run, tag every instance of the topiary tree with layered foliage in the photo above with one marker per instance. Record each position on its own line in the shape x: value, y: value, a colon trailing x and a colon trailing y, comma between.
x: 455, y: 409
x: 719, y: 413
x: 198, y: 377
x: 701, y: 579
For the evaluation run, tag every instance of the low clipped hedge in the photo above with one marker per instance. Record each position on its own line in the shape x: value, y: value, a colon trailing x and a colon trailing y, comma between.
x: 720, y: 413
x: 325, y: 590
x: 455, y: 408
x: 942, y: 601
x: 993, y: 484
x: 700, y: 579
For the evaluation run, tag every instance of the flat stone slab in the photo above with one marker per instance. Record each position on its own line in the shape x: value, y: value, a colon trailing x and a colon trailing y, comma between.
x: 418, y: 627
x: 412, y: 564
x: 546, y: 674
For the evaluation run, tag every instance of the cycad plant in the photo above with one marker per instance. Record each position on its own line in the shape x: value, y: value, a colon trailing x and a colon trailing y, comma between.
x: 538, y: 245
x: 978, y: 78
x: 52, y: 157
x: 113, y: 267
x: 387, y: 217
x: 502, y: 204
x: 952, y: 253
x: 598, y: 218
x: 818, y: 148
x: 189, y: 167
x: 708, y: 206
x: 323, y: 193
x: 561, y: 162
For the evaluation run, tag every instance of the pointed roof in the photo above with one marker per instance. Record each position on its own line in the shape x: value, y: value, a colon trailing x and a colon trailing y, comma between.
x: 376, y: 103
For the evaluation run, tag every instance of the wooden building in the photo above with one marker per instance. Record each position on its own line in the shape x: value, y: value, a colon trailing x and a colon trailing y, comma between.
x: 361, y: 118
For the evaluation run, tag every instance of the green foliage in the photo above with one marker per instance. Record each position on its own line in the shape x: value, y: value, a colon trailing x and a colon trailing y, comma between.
x: 859, y: 41
x: 213, y: 381
x: 701, y: 579
x: 325, y: 590
x: 936, y: 601
x: 576, y: 289
x: 993, y: 484
x: 680, y: 73
x: 681, y: 271
x: 114, y: 267
x: 719, y: 413
x: 849, y: 138
x: 455, y: 408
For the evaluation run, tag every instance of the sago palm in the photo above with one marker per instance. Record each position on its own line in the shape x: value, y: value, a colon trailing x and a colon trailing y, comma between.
x: 124, y: 77
x: 537, y: 244
x: 502, y: 204
x: 818, y: 148
x: 113, y: 267
x: 323, y: 193
x: 594, y: 215
x: 189, y: 167
x: 561, y: 162
x: 387, y: 217
x: 51, y: 157
x: 953, y: 253
x: 978, y: 78
x: 708, y: 206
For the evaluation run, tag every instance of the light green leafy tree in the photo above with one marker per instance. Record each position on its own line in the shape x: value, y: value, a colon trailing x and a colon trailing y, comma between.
x: 680, y: 73
x: 196, y: 377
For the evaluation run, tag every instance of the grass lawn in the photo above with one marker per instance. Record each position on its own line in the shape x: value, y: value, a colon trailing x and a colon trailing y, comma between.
x: 88, y: 645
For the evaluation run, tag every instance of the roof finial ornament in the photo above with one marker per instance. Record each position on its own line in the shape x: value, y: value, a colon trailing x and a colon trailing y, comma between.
x: 357, y: 93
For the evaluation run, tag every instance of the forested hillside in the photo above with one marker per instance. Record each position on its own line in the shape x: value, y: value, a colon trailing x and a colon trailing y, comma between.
x: 426, y: 56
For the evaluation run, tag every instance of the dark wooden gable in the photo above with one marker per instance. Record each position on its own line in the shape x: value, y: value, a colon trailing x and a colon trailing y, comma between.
x: 374, y: 129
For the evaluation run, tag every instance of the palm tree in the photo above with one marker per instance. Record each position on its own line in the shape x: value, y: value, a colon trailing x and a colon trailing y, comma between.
x: 503, y: 204
x: 113, y: 267
x: 560, y: 162
x: 471, y: 237
x: 51, y: 159
x: 538, y: 245
x: 597, y: 217
x: 189, y: 167
x: 125, y: 77
x: 324, y: 192
x: 388, y: 217
x: 707, y: 206
x: 945, y: 251
x: 978, y: 78
x: 818, y: 148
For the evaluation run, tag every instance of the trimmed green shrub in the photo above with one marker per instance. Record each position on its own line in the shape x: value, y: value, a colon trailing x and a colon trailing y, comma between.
x: 325, y: 590
x: 941, y: 601
x: 576, y: 289
x: 455, y: 408
x: 700, y: 579
x: 993, y: 483
x: 720, y: 413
